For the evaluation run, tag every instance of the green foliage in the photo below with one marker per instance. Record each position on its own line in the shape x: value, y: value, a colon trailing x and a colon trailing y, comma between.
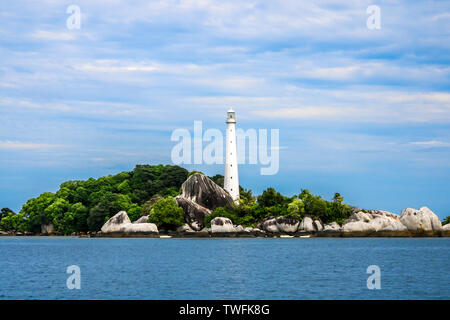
x: 446, y: 221
x: 270, y: 198
x: 295, y: 209
x: 148, y: 205
x: 326, y: 211
x: 166, y: 214
x: 271, y: 203
x: 5, y: 212
x: 218, y: 179
x: 10, y: 221
x: 79, y: 206
x: 246, y: 195
x: 57, y: 214
x: 34, y: 211
x: 134, y: 212
x: 108, y: 205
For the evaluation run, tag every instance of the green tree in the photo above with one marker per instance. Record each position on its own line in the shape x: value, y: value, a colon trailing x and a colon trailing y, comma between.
x: 108, y: 205
x: 12, y: 222
x: 270, y: 198
x: 78, y: 215
x: 218, y: 179
x: 446, y: 221
x: 34, y: 211
x: 56, y: 214
x: 5, y: 212
x: 166, y: 214
x: 295, y: 209
x: 148, y: 205
x: 134, y: 212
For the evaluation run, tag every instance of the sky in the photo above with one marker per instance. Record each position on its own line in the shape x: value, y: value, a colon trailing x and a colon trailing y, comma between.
x: 364, y: 112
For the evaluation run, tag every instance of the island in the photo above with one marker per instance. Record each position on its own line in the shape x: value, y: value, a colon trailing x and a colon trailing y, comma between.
x: 168, y: 201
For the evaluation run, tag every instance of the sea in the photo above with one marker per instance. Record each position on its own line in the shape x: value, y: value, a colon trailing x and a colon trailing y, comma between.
x: 70, y: 268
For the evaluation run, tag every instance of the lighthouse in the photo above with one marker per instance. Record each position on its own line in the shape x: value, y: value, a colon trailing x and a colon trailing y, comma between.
x: 231, y: 183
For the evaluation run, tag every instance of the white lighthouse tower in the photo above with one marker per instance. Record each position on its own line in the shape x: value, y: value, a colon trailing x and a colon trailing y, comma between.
x: 231, y: 183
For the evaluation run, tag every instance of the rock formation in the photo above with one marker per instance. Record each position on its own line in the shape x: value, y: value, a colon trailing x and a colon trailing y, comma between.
x: 279, y: 225
x: 307, y: 225
x: 366, y: 222
x: 200, y: 195
x: 318, y: 225
x: 185, y: 228
x: 269, y: 225
x: 142, y: 219
x: 221, y: 225
x: 420, y: 220
x: 194, y: 214
x: 116, y: 223
x: 121, y: 224
x: 383, y: 223
x: 140, y: 227
x: 334, y: 226
x: 47, y: 228
x: 287, y: 225
x: 200, y: 189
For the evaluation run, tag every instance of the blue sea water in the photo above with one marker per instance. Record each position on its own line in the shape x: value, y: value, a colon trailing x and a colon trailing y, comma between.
x: 315, y: 268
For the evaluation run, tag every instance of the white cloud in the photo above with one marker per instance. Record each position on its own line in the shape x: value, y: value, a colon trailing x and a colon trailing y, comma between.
x: 430, y: 144
x: 50, y: 35
x: 16, y: 145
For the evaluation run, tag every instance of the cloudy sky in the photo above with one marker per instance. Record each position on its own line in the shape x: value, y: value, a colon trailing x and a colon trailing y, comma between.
x: 362, y: 112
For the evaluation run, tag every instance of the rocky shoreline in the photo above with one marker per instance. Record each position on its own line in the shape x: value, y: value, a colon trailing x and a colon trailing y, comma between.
x: 200, y: 196
x: 250, y: 234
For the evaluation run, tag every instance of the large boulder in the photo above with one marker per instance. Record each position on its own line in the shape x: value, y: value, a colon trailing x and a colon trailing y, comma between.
x: 142, y: 219
x: 140, y: 228
x: 200, y: 189
x: 270, y: 225
x: 307, y: 224
x: 279, y: 225
x: 368, y: 222
x: 194, y: 214
x: 318, y: 225
x: 334, y: 226
x: 332, y: 229
x: 47, y: 228
x: 358, y: 226
x: 184, y: 228
x: 446, y: 230
x: 396, y: 229
x: 116, y: 223
x: 287, y: 225
x: 420, y: 220
x: 222, y: 225
x: 121, y: 224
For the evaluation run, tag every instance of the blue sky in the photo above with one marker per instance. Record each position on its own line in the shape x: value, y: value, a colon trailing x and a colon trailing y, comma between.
x: 362, y: 112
